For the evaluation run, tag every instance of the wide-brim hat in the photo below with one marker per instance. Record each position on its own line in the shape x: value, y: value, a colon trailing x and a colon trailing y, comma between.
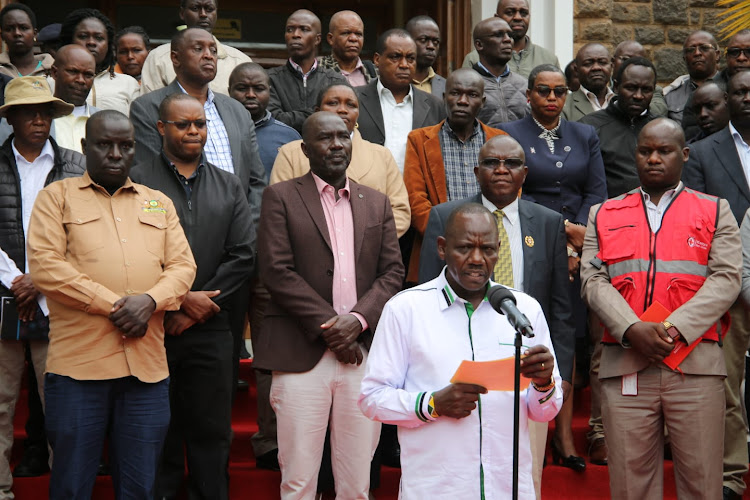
x: 28, y: 90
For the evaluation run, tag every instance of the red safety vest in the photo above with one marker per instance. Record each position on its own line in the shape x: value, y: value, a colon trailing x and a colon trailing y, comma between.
x: 668, y: 266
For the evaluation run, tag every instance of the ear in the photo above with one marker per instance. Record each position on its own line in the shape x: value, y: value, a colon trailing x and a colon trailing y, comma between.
x: 440, y: 246
x: 83, y: 145
x: 175, y: 59
x: 528, y: 94
x: 160, y: 127
x: 304, y: 149
x: 329, y: 38
x: 478, y: 46
x: 53, y: 72
x: 318, y: 38
x: 476, y: 171
x: 376, y: 59
x: 685, y: 153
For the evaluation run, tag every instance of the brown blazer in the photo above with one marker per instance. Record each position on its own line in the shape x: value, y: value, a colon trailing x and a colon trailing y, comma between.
x: 296, y: 265
x: 715, y: 296
x: 372, y: 165
x: 424, y: 176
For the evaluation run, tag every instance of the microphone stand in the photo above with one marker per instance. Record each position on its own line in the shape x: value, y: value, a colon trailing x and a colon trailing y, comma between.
x: 517, y: 403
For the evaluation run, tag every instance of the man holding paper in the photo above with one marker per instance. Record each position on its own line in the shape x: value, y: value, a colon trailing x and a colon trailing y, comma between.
x: 423, y: 336
x: 660, y: 267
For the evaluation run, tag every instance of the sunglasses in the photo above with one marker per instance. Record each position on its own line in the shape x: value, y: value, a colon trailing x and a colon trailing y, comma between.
x: 735, y: 52
x: 544, y: 90
x: 495, y: 163
x: 184, y: 125
x: 705, y: 48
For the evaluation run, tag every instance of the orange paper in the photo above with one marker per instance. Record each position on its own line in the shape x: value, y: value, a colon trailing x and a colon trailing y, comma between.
x: 493, y: 375
x: 656, y: 313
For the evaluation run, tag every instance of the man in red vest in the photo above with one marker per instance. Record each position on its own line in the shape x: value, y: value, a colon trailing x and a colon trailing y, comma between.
x: 660, y: 267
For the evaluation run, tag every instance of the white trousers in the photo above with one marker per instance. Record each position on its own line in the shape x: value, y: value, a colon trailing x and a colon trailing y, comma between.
x: 305, y: 403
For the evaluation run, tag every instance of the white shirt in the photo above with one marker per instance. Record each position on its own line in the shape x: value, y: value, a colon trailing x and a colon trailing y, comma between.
x: 655, y: 213
x: 114, y: 92
x: 743, y: 151
x: 397, y: 120
x: 595, y: 100
x: 70, y: 129
x: 422, y: 336
x: 32, y: 177
x: 512, y: 224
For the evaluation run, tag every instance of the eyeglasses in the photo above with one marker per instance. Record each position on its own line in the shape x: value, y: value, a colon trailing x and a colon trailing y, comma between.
x: 184, y: 125
x: 544, y: 90
x: 734, y: 52
x: 494, y: 163
x: 705, y: 48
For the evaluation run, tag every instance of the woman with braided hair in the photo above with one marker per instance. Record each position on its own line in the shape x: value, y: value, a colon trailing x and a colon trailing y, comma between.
x: 93, y: 30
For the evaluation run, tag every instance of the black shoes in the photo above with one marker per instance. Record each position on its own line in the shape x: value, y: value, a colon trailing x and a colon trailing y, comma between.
x: 268, y: 461
x: 32, y: 464
x: 573, y: 462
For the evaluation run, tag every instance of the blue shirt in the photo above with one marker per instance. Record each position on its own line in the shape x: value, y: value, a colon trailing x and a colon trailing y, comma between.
x: 271, y: 135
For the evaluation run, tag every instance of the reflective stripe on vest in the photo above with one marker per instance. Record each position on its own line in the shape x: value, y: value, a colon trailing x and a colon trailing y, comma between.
x: 682, y: 244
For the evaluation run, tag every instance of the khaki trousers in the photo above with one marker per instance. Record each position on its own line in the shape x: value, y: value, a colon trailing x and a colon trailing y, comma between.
x: 692, y: 409
x: 736, y: 343
x: 12, y: 362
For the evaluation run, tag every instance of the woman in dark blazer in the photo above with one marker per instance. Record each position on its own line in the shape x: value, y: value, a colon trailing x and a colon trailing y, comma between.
x: 566, y: 174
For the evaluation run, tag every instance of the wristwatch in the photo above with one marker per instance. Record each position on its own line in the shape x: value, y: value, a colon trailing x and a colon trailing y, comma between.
x: 672, y: 330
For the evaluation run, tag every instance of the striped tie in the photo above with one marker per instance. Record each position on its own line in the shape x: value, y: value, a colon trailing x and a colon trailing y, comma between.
x: 504, y: 265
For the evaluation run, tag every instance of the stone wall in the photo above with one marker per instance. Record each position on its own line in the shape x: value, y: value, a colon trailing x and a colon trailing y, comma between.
x: 660, y: 25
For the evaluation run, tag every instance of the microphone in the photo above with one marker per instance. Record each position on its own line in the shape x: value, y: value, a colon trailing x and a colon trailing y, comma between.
x: 503, y: 301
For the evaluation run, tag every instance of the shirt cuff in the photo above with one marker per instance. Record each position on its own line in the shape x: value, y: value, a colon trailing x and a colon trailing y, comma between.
x: 361, y: 319
x: 422, y: 407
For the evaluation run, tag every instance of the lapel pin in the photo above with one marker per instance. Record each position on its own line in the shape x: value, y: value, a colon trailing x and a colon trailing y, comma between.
x: 529, y: 241
x: 567, y: 149
x: 361, y: 195
x: 532, y: 150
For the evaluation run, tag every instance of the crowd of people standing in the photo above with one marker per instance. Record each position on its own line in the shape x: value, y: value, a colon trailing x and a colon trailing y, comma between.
x: 354, y: 216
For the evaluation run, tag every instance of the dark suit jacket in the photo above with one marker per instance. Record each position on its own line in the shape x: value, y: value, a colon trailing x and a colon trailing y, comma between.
x: 144, y: 113
x: 296, y: 265
x: 570, y: 181
x: 545, y: 268
x: 428, y: 110
x: 577, y: 106
x: 714, y: 167
x: 438, y: 87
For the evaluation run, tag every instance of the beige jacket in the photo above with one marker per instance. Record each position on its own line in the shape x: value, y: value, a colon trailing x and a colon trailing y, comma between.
x: 372, y: 165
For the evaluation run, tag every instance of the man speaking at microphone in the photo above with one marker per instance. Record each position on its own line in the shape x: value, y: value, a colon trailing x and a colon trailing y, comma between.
x: 457, y: 439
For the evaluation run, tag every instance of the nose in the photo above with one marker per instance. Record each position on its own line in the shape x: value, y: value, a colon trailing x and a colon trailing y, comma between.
x: 654, y: 157
x: 115, y: 152
x: 463, y: 99
x: 475, y: 255
x: 703, y: 112
x: 203, y: 13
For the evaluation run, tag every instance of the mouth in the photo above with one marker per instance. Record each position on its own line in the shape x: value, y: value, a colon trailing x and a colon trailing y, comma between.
x: 551, y: 108
x: 476, y: 274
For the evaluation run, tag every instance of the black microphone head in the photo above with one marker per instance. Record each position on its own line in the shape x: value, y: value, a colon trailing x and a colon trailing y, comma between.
x: 497, y: 294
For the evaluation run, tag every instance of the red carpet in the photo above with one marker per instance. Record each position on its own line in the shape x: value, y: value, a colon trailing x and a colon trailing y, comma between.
x: 249, y: 483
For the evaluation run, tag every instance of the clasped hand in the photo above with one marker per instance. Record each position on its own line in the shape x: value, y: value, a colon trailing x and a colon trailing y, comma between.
x: 25, y: 294
x: 340, y: 333
x: 131, y: 313
x: 650, y: 339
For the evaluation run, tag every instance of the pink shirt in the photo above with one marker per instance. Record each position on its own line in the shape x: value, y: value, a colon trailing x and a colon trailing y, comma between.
x: 340, y: 224
x: 357, y: 77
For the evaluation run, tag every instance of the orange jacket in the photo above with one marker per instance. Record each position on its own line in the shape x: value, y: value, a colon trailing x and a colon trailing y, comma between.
x: 424, y: 176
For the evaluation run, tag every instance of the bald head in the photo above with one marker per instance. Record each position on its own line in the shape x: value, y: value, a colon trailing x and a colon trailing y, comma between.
x: 73, y: 71
x: 343, y: 17
x: 304, y: 15
x: 624, y: 51
x: 302, y: 37
x: 710, y: 107
x: 465, y: 77
x: 669, y: 130
x: 346, y: 35
x: 454, y: 225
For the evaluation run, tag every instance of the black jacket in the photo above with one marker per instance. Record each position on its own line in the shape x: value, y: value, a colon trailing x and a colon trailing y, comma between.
x: 67, y: 163
x: 618, y: 134
x: 218, y: 225
x: 292, y: 99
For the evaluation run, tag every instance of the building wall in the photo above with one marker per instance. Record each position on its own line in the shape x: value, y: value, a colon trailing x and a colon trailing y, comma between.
x: 661, y: 26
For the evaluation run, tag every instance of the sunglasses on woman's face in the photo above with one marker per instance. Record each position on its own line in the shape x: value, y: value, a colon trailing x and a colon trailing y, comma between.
x: 544, y: 90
